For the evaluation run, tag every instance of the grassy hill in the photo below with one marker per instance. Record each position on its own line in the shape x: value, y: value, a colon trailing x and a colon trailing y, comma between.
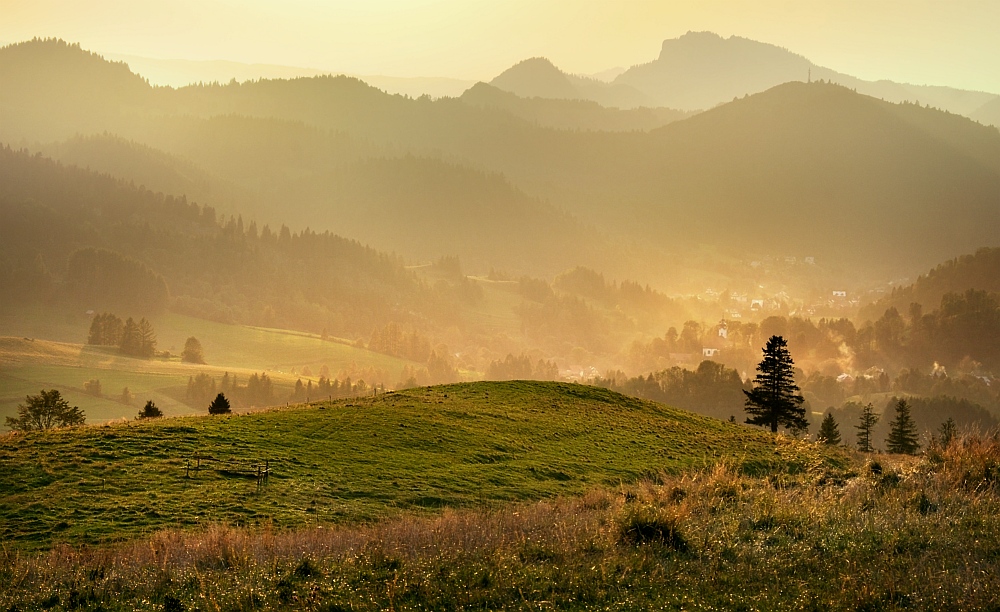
x: 359, y: 460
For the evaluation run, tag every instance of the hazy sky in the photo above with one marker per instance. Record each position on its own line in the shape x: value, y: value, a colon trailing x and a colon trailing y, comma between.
x: 953, y: 42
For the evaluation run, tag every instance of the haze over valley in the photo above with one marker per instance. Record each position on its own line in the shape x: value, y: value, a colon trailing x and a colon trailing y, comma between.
x: 495, y: 286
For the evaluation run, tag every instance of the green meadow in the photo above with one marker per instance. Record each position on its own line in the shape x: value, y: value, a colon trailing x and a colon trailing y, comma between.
x: 464, y: 445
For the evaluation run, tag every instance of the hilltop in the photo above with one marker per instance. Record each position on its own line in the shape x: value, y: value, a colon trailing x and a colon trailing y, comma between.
x: 539, y: 78
x: 700, y: 70
x: 361, y: 459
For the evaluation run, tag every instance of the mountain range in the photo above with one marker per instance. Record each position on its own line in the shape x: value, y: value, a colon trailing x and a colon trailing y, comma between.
x: 870, y: 189
x: 700, y: 70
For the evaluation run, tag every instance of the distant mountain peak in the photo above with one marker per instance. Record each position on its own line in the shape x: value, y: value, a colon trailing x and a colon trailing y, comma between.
x: 700, y: 70
x: 536, y: 77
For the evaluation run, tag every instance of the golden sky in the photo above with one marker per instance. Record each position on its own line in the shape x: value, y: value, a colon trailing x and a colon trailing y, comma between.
x: 953, y: 42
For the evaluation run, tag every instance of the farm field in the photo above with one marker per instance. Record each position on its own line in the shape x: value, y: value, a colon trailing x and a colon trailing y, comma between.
x: 29, y: 363
x: 470, y: 444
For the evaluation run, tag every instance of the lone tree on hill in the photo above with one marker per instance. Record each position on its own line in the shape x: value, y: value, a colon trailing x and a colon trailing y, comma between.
x: 220, y: 405
x: 774, y: 399
x: 864, y: 427
x: 150, y: 411
x: 902, y: 431
x: 44, y: 411
x: 829, y: 432
x: 192, y: 351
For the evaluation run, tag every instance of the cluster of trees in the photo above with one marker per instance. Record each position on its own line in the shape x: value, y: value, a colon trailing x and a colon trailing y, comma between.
x: 902, y: 437
x: 712, y: 389
x: 521, y: 368
x: 257, y: 391
x: 965, y: 326
x: 960, y: 331
x: 131, y: 338
x: 329, y: 388
x: 440, y: 369
x: 390, y: 339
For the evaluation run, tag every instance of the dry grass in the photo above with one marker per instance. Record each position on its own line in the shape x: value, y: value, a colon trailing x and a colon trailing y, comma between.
x: 896, y: 533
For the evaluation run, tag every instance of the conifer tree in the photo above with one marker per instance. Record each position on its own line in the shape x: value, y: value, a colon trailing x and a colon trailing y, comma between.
x: 131, y: 341
x: 947, y: 432
x: 829, y: 431
x: 150, y: 411
x: 902, y: 431
x: 220, y: 405
x: 774, y: 399
x: 147, y: 339
x: 864, y: 427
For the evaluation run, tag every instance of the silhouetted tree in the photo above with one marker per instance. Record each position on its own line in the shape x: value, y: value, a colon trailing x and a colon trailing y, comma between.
x: 903, y: 432
x: 775, y: 400
x: 948, y: 431
x: 829, y: 432
x: 864, y: 427
x: 192, y: 351
x: 220, y: 405
x: 44, y: 411
x: 150, y: 411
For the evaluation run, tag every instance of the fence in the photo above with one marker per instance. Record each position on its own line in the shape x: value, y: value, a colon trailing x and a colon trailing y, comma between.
x: 243, y: 468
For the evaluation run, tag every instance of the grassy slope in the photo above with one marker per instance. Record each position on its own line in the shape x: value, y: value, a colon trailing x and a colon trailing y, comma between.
x: 456, y: 445
x: 65, y: 364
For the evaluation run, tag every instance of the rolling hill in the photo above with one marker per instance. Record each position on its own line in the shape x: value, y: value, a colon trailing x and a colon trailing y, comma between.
x: 569, y: 114
x: 361, y: 459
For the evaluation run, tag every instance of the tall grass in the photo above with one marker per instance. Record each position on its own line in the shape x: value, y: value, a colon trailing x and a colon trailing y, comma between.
x: 907, y: 533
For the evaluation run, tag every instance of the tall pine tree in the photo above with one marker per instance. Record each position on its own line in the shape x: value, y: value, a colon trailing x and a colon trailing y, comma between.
x: 829, y: 432
x: 774, y: 399
x: 864, y: 427
x: 902, y: 431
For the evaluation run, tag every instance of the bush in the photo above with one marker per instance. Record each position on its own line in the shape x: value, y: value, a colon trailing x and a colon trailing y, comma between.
x: 647, y: 524
x: 150, y: 411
